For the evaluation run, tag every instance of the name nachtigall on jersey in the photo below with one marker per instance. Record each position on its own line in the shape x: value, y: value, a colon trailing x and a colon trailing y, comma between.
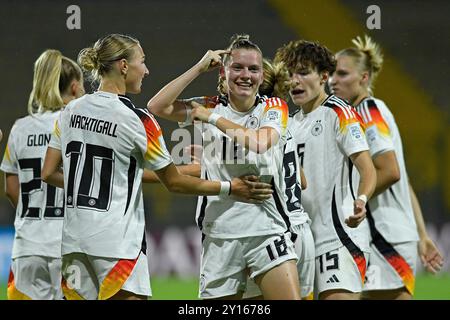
x: 40, y: 207
x: 392, y: 210
x: 326, y: 137
x: 223, y: 159
x: 106, y: 142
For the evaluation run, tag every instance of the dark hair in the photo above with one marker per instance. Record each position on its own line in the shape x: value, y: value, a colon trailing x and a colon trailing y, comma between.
x: 301, y: 53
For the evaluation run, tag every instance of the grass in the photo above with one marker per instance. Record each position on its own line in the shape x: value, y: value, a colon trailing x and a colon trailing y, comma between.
x: 427, y: 288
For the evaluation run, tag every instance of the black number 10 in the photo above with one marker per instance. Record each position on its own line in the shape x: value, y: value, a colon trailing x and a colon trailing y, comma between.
x: 95, y: 155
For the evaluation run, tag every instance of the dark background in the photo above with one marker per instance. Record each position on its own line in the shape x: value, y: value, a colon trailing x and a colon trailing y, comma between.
x: 176, y: 34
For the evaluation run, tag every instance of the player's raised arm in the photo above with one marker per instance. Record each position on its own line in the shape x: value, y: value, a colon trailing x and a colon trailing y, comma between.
x: 165, y: 104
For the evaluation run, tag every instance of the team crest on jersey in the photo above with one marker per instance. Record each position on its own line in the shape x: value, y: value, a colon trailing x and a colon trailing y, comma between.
x: 317, y: 128
x: 252, y: 122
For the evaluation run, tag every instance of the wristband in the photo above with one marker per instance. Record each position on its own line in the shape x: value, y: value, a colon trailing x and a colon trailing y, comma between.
x: 213, y: 117
x: 225, y: 188
x: 363, y: 198
x: 188, y: 112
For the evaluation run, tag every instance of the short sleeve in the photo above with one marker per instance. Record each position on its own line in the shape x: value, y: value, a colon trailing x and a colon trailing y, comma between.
x: 349, y: 130
x: 275, y: 115
x: 150, y: 141
x: 9, y: 163
x: 55, y: 141
x: 378, y: 132
x: 207, y: 102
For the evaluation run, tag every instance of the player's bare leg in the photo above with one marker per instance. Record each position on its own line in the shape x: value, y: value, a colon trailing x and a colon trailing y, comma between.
x: 280, y: 282
x: 237, y: 296
x: 255, y: 298
x: 396, y: 294
x: 339, y: 295
x: 126, y: 295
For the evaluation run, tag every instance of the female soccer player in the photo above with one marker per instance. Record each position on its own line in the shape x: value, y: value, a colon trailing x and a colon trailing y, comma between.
x: 36, y: 256
x: 330, y: 143
x: 242, y: 133
x: 395, y: 218
x: 104, y: 143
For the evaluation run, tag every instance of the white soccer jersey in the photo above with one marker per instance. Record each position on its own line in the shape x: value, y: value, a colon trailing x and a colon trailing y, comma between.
x: 292, y: 179
x: 40, y: 208
x: 392, y: 210
x: 223, y: 160
x: 105, y: 143
x: 326, y: 137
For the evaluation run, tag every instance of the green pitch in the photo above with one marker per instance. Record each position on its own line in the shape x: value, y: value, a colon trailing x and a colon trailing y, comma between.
x: 427, y: 288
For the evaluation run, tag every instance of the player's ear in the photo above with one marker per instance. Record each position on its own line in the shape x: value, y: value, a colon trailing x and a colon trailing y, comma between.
x: 222, y: 72
x: 123, y: 66
x: 324, y: 76
x: 365, y: 78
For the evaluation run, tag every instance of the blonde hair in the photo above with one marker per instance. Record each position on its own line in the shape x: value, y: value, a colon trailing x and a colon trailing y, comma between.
x: 367, y: 56
x: 53, y: 74
x: 100, y: 58
x: 276, y: 80
x: 237, y: 41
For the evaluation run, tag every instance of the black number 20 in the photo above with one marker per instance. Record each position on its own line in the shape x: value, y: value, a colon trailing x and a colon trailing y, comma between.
x: 95, y: 155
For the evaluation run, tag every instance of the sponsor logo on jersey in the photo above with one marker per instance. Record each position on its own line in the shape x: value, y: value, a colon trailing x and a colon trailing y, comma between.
x: 333, y: 279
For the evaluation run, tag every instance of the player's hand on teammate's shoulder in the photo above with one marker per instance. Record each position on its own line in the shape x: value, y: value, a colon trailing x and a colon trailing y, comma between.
x: 199, y: 112
x: 250, y: 189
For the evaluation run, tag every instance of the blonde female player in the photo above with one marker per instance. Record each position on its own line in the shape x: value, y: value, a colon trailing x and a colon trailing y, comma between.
x: 36, y: 256
x: 275, y: 82
x: 104, y: 143
x: 396, y: 224
x: 242, y: 133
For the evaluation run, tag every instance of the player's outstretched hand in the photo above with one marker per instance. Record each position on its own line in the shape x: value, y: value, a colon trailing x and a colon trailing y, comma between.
x: 430, y: 256
x: 359, y: 214
x: 249, y: 189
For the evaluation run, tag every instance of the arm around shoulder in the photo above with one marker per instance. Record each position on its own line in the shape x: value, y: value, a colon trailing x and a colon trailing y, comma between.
x: 51, y: 173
